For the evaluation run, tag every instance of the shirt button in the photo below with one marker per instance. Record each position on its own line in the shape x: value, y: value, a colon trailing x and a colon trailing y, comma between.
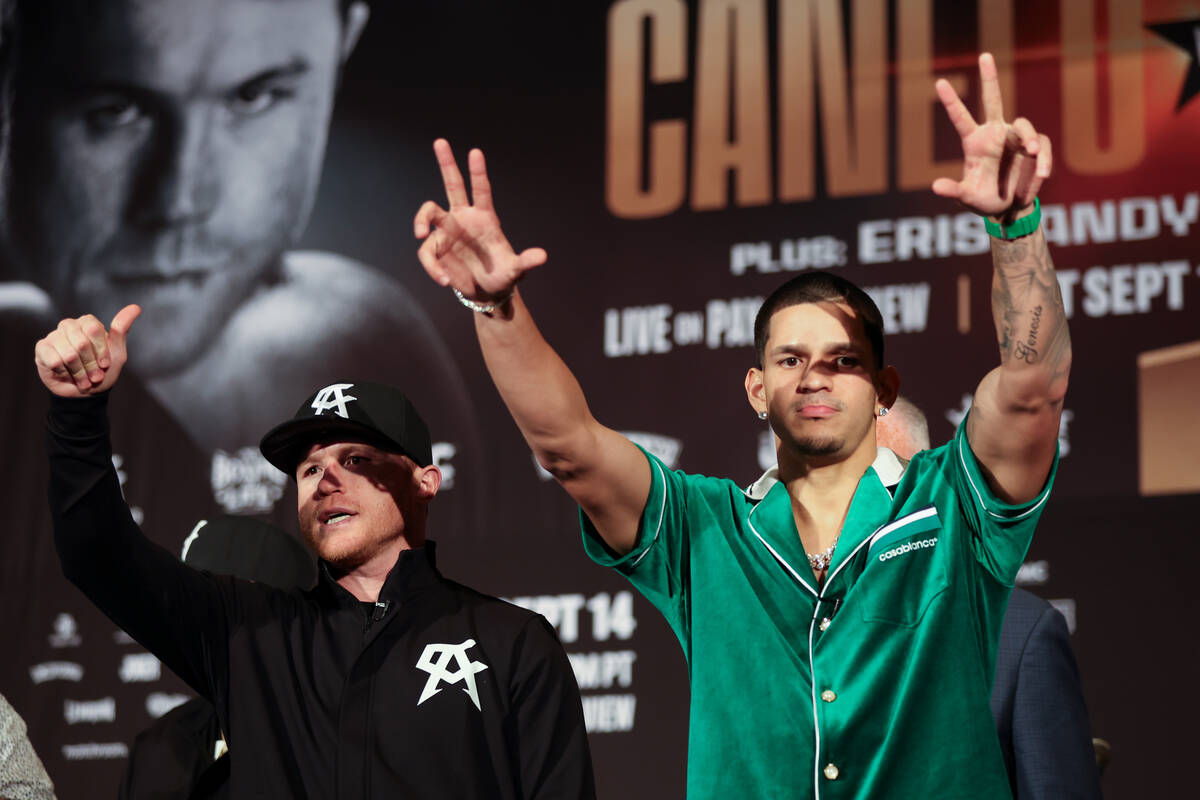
x: 828, y: 695
x: 824, y: 623
x: 831, y: 771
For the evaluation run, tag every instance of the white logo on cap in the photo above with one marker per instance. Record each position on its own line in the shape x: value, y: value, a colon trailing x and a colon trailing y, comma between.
x: 331, y: 399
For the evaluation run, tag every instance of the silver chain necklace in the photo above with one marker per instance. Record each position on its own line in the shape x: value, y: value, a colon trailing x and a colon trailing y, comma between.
x: 821, y: 561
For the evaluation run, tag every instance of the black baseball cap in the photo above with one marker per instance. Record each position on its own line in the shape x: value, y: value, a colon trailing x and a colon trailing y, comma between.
x: 377, y: 413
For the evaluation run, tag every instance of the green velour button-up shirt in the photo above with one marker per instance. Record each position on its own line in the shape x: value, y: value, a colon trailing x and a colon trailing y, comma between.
x: 874, y: 685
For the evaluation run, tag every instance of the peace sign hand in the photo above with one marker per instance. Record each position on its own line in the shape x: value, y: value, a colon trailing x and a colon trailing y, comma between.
x: 1004, y: 164
x: 464, y: 246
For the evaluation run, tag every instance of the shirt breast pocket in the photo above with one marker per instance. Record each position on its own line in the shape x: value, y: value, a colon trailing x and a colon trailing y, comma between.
x: 905, y: 570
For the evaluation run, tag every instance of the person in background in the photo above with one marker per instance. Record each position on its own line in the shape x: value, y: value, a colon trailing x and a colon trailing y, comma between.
x: 22, y: 776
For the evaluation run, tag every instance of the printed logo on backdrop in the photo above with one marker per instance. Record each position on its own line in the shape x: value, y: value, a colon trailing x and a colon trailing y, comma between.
x: 66, y: 632
x: 767, y: 457
x: 956, y: 415
x: 434, y: 660
x: 77, y: 712
x: 118, y: 463
x: 1066, y: 607
x: 245, y: 482
x: 159, y: 703
x: 598, y: 671
x: 139, y: 668
x: 95, y: 751
x: 442, y: 453
x: 56, y: 671
x: 1034, y: 573
x: 664, y: 448
x: 331, y: 399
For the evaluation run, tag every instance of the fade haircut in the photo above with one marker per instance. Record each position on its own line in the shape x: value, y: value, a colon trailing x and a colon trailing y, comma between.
x: 820, y: 287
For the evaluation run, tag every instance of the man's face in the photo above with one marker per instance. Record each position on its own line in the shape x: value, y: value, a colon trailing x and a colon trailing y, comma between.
x: 166, y: 152
x: 357, y: 502
x: 816, y: 380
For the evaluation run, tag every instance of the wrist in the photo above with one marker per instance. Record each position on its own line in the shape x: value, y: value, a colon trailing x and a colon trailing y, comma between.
x: 486, y: 307
x: 1015, y: 225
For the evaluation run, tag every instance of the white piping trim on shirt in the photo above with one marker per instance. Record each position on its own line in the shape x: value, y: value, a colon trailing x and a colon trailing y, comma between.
x: 812, y: 683
x: 778, y: 557
x: 662, y: 511
x: 901, y: 522
x: 889, y: 470
x: 983, y: 503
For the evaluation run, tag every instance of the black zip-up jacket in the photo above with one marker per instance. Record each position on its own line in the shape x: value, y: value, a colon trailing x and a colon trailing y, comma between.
x: 317, y: 698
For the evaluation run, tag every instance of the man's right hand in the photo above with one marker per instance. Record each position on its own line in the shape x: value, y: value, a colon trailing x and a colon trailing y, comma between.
x: 80, y: 358
x: 464, y: 247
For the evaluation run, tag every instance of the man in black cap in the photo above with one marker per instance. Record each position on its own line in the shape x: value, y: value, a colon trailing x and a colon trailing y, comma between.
x: 383, y: 680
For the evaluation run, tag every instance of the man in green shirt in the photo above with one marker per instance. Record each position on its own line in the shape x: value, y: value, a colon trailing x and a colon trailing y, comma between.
x: 840, y: 616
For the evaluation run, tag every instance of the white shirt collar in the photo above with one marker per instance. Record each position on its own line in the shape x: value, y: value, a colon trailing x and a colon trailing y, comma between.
x: 887, y: 466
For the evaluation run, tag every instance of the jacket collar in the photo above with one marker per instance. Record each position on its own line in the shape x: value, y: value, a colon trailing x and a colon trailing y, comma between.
x: 414, y: 571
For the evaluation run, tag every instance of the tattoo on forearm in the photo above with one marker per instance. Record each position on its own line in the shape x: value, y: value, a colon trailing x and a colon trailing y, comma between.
x: 1027, y: 306
x: 1027, y: 350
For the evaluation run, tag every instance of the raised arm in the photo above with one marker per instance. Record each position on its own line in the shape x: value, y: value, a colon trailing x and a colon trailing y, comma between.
x: 1013, y: 424
x: 171, y: 609
x: 465, y: 249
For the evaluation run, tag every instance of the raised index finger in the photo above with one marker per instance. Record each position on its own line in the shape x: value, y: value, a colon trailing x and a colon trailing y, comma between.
x: 993, y: 106
x: 456, y: 190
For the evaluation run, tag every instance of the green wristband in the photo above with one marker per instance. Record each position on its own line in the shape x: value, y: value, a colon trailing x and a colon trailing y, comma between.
x: 1022, y: 227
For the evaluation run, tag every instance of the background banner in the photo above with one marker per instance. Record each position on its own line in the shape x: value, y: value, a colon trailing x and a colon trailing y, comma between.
x: 249, y: 171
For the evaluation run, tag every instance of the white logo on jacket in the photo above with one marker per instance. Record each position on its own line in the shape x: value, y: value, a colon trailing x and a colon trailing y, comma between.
x: 331, y: 399
x: 434, y: 661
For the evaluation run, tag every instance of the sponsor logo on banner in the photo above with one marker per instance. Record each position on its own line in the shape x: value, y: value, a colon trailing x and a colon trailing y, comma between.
x: 76, y: 712
x: 664, y: 448
x: 767, y: 457
x: 956, y: 415
x: 66, y: 632
x: 95, y: 751
x: 245, y: 482
x: 159, y: 703
x: 442, y: 453
x: 139, y: 668
x: 1033, y: 573
x: 56, y: 671
x: 1066, y: 607
x: 434, y: 660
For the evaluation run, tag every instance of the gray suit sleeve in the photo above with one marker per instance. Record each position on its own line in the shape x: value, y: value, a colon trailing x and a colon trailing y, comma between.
x: 1052, y: 740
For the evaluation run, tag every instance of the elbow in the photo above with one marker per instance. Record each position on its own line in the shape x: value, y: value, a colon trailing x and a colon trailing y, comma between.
x: 568, y: 457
